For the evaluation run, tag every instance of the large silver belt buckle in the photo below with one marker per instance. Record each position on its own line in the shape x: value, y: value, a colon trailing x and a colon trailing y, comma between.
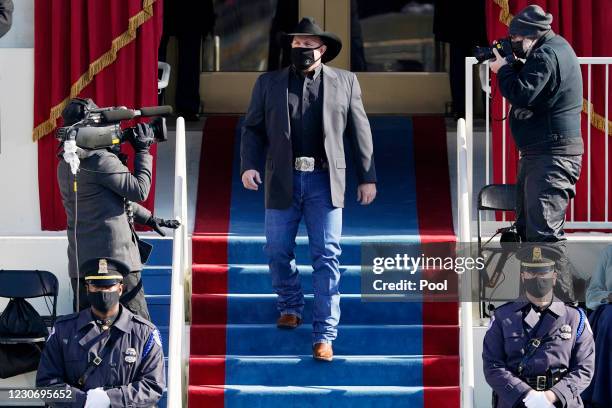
x: 305, y: 163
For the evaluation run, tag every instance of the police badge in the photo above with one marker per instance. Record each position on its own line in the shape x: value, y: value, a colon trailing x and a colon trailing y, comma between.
x: 130, y: 355
x: 566, y: 332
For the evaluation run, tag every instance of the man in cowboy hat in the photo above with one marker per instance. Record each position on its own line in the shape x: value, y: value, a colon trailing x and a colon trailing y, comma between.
x: 538, y: 352
x: 299, y: 115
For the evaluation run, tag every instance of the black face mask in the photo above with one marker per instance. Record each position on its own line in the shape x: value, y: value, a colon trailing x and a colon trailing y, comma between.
x: 517, y: 49
x: 303, y: 58
x: 538, y: 287
x: 103, y: 302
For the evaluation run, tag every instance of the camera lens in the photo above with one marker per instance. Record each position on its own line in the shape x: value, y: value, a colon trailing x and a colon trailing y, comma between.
x: 158, y: 125
x: 483, y: 54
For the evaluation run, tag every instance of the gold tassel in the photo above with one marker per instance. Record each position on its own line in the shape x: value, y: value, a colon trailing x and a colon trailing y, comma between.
x: 95, y: 68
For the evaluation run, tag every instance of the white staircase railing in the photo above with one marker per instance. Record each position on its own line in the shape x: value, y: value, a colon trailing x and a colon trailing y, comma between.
x: 176, y: 367
x: 464, y: 236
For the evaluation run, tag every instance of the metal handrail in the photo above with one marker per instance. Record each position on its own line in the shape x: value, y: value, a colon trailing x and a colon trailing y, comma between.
x: 464, y: 235
x: 176, y: 368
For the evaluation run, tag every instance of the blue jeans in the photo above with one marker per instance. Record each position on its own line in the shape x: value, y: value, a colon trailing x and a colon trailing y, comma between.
x: 312, y: 200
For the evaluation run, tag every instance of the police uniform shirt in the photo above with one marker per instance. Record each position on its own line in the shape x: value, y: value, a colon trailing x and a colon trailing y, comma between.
x: 567, y: 342
x: 305, y: 102
x: 132, y: 368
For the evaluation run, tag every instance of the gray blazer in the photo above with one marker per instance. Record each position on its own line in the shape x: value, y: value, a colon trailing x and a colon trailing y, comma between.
x: 103, y: 229
x: 266, y: 131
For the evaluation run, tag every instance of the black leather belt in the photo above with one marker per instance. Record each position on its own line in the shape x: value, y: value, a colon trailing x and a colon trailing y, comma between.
x: 545, y: 382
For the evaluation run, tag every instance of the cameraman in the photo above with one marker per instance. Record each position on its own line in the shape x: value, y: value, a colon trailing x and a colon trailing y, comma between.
x: 103, y: 216
x: 546, y: 97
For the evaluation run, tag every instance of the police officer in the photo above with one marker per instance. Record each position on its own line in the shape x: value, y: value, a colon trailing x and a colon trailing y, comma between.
x: 104, y: 208
x: 105, y: 354
x: 538, y: 352
x: 546, y: 97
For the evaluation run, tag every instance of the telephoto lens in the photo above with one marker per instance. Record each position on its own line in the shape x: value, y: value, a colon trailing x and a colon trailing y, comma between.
x: 159, y: 129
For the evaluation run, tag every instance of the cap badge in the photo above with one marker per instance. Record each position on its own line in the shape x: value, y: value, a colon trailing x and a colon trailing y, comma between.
x: 537, y: 254
x: 102, y: 266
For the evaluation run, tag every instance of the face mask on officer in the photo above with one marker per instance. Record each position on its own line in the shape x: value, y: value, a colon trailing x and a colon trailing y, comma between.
x: 104, y: 300
x: 538, y: 286
x: 303, y: 54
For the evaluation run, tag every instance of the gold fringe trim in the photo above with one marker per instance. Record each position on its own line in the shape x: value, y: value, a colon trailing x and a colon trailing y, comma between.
x: 504, y: 14
x: 96, y: 67
x: 597, y: 121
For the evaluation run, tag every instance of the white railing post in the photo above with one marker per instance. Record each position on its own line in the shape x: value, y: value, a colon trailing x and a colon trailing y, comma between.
x: 179, y: 266
x: 464, y: 223
x: 469, y: 123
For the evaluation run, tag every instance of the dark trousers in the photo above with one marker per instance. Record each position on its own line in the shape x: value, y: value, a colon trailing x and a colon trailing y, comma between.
x: 545, y: 184
x: 188, y: 71
x: 133, y: 299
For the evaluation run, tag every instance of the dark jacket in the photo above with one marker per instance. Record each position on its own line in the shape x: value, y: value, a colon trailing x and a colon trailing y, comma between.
x: 546, y: 98
x: 505, y: 344
x: 136, y: 381
x: 188, y: 18
x: 103, y: 229
x: 6, y: 16
x: 266, y: 128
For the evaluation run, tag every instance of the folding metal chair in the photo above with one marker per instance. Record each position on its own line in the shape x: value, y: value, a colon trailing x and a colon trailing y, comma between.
x: 493, y: 197
x: 29, y: 284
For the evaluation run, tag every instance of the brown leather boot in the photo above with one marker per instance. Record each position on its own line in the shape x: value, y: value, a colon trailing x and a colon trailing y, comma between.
x: 288, y: 321
x: 323, y: 352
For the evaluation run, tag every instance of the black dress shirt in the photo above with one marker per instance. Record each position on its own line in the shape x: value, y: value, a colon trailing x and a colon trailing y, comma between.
x: 305, y: 100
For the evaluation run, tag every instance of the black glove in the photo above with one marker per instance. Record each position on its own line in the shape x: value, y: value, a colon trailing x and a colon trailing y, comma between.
x: 141, y: 137
x: 157, y: 223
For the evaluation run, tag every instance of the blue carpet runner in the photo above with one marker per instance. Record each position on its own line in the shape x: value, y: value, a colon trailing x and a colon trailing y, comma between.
x: 386, y: 354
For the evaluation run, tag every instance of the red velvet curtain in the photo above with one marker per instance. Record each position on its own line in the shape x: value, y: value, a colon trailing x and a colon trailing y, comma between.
x: 586, y: 25
x: 103, y: 49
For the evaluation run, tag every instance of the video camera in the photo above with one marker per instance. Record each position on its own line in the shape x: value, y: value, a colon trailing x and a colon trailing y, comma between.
x: 503, y: 46
x: 92, y: 127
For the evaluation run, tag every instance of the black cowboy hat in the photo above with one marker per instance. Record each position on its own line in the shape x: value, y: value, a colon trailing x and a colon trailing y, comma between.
x: 308, y: 27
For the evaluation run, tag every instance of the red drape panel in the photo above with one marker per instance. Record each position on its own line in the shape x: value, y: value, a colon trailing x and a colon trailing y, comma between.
x: 69, y: 35
x: 585, y: 24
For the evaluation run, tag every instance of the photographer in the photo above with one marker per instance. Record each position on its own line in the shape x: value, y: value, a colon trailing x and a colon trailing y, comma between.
x: 101, y: 213
x: 546, y: 97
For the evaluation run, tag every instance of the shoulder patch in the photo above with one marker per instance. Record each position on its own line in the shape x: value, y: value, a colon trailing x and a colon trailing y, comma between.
x: 157, y: 337
x: 583, y: 322
x: 154, y: 337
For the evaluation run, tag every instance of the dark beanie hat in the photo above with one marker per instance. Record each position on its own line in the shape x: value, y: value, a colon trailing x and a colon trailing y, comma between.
x: 532, y: 21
